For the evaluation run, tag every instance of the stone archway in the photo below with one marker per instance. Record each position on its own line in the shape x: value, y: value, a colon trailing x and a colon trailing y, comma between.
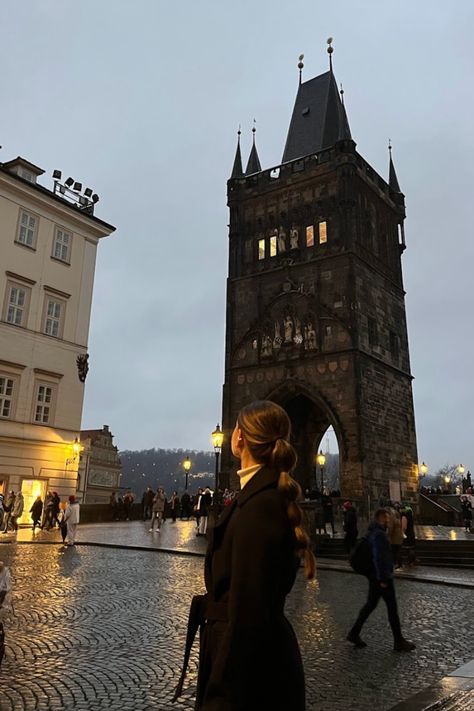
x: 310, y: 418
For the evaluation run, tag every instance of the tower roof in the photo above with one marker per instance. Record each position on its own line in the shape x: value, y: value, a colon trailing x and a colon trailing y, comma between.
x: 253, y: 165
x: 319, y: 118
x: 392, y: 176
x: 237, y: 171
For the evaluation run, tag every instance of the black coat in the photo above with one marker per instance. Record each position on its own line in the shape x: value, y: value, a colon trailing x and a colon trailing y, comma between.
x: 249, y: 658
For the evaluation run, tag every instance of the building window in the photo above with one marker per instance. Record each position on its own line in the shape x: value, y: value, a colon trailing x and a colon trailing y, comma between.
x: 261, y: 249
x: 53, y: 317
x: 17, y: 301
x: 373, y: 333
x: 27, y: 229
x: 310, y: 236
x: 62, y: 245
x: 44, y: 401
x: 394, y: 349
x: 323, y: 232
x: 273, y: 246
x: 7, y: 386
x: 328, y: 331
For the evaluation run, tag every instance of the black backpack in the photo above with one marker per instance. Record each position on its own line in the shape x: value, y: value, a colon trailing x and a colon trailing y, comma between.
x: 361, y: 558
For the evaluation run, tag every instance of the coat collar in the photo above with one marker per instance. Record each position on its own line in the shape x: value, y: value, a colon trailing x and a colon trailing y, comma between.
x: 265, y: 478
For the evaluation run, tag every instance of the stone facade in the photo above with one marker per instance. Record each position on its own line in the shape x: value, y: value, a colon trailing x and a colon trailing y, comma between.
x: 316, y: 315
x: 100, y: 467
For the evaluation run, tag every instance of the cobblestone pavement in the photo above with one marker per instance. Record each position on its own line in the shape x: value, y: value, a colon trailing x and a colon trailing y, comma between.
x: 181, y: 537
x: 103, y: 629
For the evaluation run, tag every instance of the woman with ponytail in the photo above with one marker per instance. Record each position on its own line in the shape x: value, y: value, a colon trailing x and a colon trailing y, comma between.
x: 249, y: 656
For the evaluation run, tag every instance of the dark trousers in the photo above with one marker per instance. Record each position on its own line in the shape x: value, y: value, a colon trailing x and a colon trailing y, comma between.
x: 350, y: 539
x: 375, y: 593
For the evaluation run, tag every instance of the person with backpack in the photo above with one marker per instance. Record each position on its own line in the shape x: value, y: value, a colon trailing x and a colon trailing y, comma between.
x: 373, y: 557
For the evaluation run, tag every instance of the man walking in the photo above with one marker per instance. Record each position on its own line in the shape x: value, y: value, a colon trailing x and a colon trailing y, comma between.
x: 71, y: 516
x: 204, y: 506
x: 350, y: 526
x: 380, y: 585
x: 158, y: 508
x: 147, y: 503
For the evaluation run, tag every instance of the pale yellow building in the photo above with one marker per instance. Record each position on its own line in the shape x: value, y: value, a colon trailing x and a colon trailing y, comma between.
x: 48, y: 244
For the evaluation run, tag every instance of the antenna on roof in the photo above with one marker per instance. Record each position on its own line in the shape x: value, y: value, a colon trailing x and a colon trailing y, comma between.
x: 301, y: 65
x: 330, y: 50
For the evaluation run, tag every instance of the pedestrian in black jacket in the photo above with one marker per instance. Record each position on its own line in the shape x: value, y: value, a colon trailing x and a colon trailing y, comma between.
x: 380, y: 585
x: 36, y: 512
x: 249, y: 658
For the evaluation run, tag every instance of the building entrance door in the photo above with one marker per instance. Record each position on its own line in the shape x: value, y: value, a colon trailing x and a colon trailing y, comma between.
x: 31, y: 488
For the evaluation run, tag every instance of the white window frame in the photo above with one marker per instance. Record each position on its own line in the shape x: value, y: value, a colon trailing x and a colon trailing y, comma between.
x: 44, y: 403
x: 15, y: 307
x: 64, y: 245
x: 8, y: 397
x: 25, y: 228
x: 53, y: 323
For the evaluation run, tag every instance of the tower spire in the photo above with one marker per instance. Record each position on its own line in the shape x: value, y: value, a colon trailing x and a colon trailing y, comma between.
x: 301, y: 66
x: 253, y: 165
x: 392, y: 176
x: 330, y: 50
x: 237, y: 171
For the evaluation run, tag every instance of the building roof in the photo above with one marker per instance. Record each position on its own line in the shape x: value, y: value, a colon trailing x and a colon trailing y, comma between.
x: 7, y: 169
x: 253, y: 165
x: 36, y: 170
x: 392, y: 176
x: 237, y: 171
x: 319, y: 118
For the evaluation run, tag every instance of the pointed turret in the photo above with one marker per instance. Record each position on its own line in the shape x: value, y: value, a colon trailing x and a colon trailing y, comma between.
x: 237, y: 171
x: 253, y: 165
x: 392, y: 176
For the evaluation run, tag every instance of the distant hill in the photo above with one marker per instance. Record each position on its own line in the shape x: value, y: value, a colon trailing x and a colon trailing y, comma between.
x: 164, y: 467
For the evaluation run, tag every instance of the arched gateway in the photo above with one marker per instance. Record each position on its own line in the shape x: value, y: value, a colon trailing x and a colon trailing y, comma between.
x: 315, y: 301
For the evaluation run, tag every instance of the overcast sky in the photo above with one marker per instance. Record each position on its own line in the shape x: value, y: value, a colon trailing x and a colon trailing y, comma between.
x: 141, y: 100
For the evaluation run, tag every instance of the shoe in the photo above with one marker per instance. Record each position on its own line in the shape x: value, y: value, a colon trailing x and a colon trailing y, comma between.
x: 404, y: 646
x: 157, y: 530
x: 150, y: 529
x: 356, y: 641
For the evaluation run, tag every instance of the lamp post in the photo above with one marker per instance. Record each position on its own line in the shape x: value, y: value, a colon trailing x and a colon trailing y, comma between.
x: 321, y: 460
x: 422, y: 471
x: 217, y: 440
x: 461, y: 469
x: 76, y: 450
x: 447, y: 481
x: 187, y: 467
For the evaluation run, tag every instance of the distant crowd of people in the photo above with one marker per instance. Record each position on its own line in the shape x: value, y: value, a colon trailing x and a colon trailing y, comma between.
x: 157, y: 507
x: 46, y: 515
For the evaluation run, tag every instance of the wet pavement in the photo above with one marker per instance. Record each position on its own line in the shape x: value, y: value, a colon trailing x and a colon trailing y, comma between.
x: 180, y: 537
x: 102, y: 629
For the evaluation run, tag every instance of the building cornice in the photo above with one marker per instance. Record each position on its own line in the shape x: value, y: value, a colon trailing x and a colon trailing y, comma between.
x: 9, y: 364
x: 52, y: 290
x: 48, y: 373
x: 18, y: 277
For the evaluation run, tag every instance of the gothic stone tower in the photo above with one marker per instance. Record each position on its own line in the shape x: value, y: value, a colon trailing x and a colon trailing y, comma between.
x: 315, y: 302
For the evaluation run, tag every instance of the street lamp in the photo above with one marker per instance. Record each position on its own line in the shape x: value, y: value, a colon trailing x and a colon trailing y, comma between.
x: 321, y: 460
x: 217, y: 440
x: 423, y: 469
x: 461, y: 469
x: 447, y: 481
x: 187, y: 467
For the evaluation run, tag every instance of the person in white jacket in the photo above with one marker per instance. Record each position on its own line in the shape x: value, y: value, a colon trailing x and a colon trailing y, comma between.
x: 71, y: 516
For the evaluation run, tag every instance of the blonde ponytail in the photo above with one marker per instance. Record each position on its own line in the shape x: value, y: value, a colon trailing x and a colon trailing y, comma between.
x: 291, y: 490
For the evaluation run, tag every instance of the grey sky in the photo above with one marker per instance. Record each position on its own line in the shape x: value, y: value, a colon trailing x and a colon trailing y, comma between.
x: 142, y: 101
